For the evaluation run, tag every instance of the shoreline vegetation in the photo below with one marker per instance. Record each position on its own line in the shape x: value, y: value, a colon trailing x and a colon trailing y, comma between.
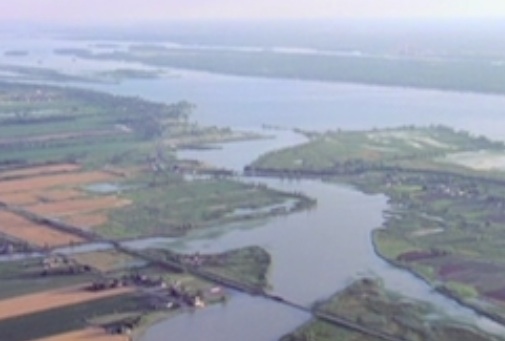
x: 446, y: 210
x: 372, y: 306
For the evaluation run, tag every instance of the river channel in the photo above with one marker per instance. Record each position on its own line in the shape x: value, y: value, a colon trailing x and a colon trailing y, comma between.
x: 315, y: 253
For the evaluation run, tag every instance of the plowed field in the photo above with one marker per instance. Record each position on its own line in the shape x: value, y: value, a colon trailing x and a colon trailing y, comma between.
x: 35, y: 234
x: 33, y: 303
x: 39, y: 170
x: 19, y: 199
x: 48, y: 181
x: 31, y: 198
x: 78, y: 206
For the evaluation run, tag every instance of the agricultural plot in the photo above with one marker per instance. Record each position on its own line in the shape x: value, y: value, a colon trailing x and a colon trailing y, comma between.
x: 45, y: 182
x: 87, y: 221
x: 39, y: 170
x: 35, y: 234
x: 55, y: 191
x: 33, y: 303
x: 78, y: 206
x: 67, y: 319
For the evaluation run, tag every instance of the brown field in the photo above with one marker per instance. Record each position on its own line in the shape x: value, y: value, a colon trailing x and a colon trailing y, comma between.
x: 60, y: 195
x: 90, y: 334
x: 31, y: 198
x: 35, y: 234
x: 20, y: 199
x: 87, y: 221
x: 39, y: 170
x: 33, y: 303
x: 78, y: 206
x: 44, y: 182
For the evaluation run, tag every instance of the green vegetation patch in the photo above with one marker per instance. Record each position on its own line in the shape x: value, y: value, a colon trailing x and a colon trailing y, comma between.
x: 367, y: 303
x: 246, y: 266
x: 345, y: 152
x: 177, y: 207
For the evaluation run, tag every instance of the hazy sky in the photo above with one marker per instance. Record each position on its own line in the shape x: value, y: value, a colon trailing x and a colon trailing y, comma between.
x: 128, y: 10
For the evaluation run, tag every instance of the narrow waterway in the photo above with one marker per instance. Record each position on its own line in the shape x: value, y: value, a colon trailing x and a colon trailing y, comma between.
x: 315, y: 253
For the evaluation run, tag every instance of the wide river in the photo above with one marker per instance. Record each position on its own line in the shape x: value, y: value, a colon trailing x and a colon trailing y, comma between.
x: 318, y: 252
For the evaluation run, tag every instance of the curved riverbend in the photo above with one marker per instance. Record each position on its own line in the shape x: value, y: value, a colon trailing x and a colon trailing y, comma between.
x: 315, y: 253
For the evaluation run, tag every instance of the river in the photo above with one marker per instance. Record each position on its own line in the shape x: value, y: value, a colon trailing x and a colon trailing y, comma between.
x: 317, y: 252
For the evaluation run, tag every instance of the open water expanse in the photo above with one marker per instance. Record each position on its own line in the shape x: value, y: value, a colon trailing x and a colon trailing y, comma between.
x: 314, y: 253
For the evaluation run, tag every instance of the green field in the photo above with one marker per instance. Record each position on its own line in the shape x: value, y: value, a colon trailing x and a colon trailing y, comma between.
x: 177, y: 207
x: 248, y: 266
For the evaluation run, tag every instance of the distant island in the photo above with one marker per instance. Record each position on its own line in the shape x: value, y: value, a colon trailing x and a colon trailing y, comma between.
x: 398, y: 71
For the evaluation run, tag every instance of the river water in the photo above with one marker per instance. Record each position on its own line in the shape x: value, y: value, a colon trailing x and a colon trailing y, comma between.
x: 317, y: 252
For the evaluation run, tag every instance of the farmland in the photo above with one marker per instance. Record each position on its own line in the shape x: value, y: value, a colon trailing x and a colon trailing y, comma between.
x: 59, y: 144
x: 36, y: 234
x: 33, y: 303
x: 111, y: 291
x: 78, y: 167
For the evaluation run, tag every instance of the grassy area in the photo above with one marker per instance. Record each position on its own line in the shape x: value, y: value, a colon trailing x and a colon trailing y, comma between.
x: 248, y: 266
x: 106, y: 261
x: 367, y: 303
x: 350, y: 152
x: 176, y: 207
